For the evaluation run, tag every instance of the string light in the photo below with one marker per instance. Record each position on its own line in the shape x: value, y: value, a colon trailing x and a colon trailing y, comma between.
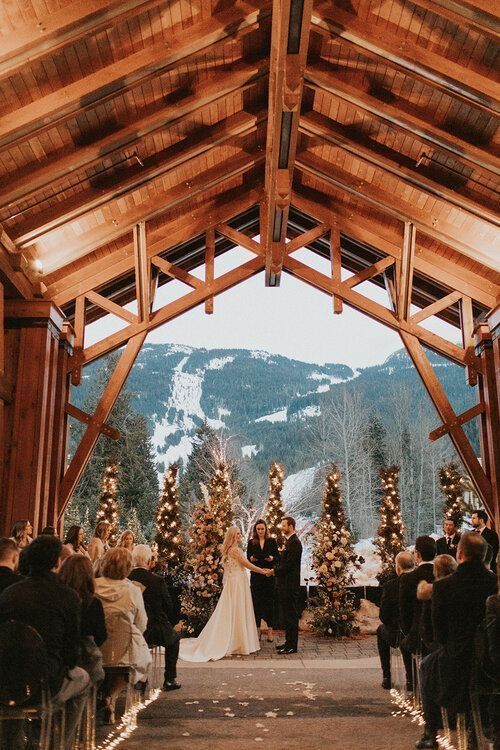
x: 274, y: 509
x: 390, y: 534
x: 109, y: 510
x: 170, y: 544
x: 452, y: 488
x: 128, y: 724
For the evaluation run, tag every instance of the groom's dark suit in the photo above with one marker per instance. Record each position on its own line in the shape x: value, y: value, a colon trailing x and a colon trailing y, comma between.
x: 288, y: 583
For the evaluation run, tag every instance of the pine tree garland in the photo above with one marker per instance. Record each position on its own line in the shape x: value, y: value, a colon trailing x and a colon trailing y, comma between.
x: 203, y: 566
x: 333, y: 561
x: 109, y: 510
x: 274, y: 509
x: 169, y: 539
x: 390, y: 535
x: 452, y: 487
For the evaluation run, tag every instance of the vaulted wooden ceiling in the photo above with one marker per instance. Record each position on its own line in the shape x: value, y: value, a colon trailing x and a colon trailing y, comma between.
x: 376, y: 118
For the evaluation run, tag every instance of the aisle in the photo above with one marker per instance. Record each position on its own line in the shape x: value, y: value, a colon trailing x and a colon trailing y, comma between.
x: 332, y: 703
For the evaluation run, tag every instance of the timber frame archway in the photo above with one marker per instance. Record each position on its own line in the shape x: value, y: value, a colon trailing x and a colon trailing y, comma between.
x: 140, y: 140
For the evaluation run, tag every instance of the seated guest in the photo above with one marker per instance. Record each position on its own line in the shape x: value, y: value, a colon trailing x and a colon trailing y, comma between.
x: 21, y: 533
x: 126, y: 622
x: 478, y: 521
x: 48, y: 531
x: 388, y: 634
x: 159, y: 609
x: 53, y: 609
x: 74, y: 541
x: 444, y: 565
x: 410, y: 608
x: 9, y: 563
x: 492, y: 627
x: 126, y: 540
x: 77, y: 573
x: 447, y: 544
x: 98, y: 545
x: 458, y: 606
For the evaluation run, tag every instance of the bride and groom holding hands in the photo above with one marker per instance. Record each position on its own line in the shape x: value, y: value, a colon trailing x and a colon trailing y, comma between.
x: 232, y: 628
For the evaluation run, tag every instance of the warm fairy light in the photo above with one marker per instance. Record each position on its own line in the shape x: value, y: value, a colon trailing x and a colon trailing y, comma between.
x: 274, y: 509
x: 169, y: 543
x: 109, y: 510
x: 390, y: 533
x: 451, y: 486
x: 128, y: 724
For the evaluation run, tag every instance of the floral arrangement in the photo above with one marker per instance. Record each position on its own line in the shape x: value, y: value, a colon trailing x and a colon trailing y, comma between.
x: 333, y: 560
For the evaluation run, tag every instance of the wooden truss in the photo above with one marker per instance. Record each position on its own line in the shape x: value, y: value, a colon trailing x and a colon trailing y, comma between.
x: 397, y: 316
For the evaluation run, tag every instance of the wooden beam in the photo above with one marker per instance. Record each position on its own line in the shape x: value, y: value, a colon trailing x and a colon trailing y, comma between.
x: 376, y: 311
x: 405, y: 271
x: 405, y: 116
x: 336, y: 265
x: 160, y: 203
x: 368, y: 273
x: 467, y: 327
x: 429, y: 224
x: 303, y: 240
x: 215, y: 87
x: 130, y: 71
x: 490, y: 421
x: 388, y: 241
x: 111, y: 307
x: 197, y: 144
x: 289, y: 45
x: 435, y: 70
x: 82, y: 416
x: 480, y: 481
x: 239, y: 238
x: 370, y: 151
x: 436, y: 307
x: 466, y: 416
x: 79, y: 342
x: 464, y: 14
x: 174, y: 309
x: 169, y: 269
x: 209, y: 267
x: 65, y: 26
x: 101, y: 270
x: 100, y: 417
x: 142, y: 280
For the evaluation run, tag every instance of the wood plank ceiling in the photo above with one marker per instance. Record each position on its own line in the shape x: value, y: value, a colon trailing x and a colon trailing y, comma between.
x: 370, y: 115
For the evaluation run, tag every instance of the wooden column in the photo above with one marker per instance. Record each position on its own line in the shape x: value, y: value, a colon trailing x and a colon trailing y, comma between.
x: 33, y: 434
x: 487, y: 347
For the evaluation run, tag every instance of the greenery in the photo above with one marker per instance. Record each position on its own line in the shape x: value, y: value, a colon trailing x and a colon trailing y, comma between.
x: 452, y: 487
x: 274, y: 509
x: 169, y: 539
x: 391, y: 531
x: 109, y: 509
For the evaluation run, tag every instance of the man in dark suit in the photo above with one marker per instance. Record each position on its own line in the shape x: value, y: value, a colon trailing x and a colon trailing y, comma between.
x: 159, y: 609
x: 388, y: 633
x: 458, y: 606
x: 288, y: 584
x: 447, y: 544
x: 9, y: 561
x: 478, y: 521
x: 410, y: 608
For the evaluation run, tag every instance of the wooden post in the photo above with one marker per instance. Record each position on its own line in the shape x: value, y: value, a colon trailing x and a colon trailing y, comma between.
x: 33, y: 334
x: 142, y: 281
x: 209, y: 266
x: 336, y: 264
x: 490, y: 419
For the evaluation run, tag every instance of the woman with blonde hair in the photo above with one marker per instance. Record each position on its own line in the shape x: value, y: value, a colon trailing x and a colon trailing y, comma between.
x: 231, y: 628
x: 126, y: 540
x: 98, y: 545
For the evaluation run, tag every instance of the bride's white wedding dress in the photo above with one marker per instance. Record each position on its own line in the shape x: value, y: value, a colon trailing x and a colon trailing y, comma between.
x: 231, y: 628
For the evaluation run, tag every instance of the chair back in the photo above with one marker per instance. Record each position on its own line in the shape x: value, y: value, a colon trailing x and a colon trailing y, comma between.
x: 117, y: 648
x: 23, y: 665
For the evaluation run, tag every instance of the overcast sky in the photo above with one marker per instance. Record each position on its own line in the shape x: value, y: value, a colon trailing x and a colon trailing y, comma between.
x: 294, y: 320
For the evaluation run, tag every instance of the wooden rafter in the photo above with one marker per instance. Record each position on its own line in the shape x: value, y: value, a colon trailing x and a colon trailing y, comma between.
x: 370, y: 151
x: 209, y: 267
x: 480, y: 481
x: 196, y: 145
x: 403, y: 115
x: 466, y: 416
x: 455, y: 79
x: 99, y: 271
x: 389, y: 240
x: 289, y: 45
x: 111, y: 307
x: 126, y: 73
x: 436, y: 307
x: 82, y: 416
x: 368, y: 273
x: 169, y: 269
x: 307, y: 238
x: 431, y: 225
x: 404, y: 284
x: 464, y: 14
x: 336, y: 265
x: 142, y: 276
x: 236, y: 77
x: 239, y: 238
x: 99, y: 418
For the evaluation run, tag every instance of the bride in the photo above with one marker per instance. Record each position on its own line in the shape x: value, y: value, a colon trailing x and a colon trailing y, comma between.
x: 231, y: 628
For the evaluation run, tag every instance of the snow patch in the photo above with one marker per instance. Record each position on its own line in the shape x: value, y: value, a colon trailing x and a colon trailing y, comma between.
x: 277, y: 416
x: 186, y: 391
x: 219, y: 362
x: 223, y: 412
x: 180, y: 452
x: 295, y: 485
x: 215, y: 424
x: 260, y: 355
x: 309, y: 411
x: 323, y: 388
x: 247, y: 451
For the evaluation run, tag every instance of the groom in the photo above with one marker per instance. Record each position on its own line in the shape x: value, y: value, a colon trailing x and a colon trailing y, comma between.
x: 287, y: 574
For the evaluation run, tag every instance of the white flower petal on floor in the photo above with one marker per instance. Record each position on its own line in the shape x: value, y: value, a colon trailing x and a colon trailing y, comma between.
x: 271, y: 714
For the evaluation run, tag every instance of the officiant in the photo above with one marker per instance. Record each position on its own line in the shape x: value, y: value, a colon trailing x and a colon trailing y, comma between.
x: 263, y: 551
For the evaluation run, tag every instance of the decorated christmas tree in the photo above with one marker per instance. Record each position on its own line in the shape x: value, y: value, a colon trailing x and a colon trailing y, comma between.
x: 274, y: 509
x: 169, y: 540
x: 109, y: 510
x: 333, y: 561
x: 204, y: 570
x: 220, y: 499
x: 452, y: 487
x: 391, y: 531
x: 135, y: 526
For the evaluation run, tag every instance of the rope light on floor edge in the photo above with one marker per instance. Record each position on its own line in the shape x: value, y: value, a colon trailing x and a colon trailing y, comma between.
x: 407, y: 709
x: 128, y: 724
